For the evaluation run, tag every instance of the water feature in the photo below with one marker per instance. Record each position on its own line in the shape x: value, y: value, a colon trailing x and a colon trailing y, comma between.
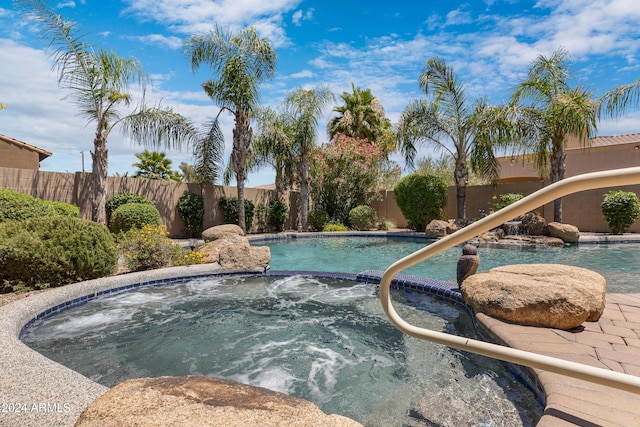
x: 327, y: 341
x: 512, y: 228
x: 618, y: 263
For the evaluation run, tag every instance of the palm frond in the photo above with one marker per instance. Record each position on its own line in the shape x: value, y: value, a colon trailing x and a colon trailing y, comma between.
x: 615, y: 102
x: 160, y: 127
x: 208, y: 152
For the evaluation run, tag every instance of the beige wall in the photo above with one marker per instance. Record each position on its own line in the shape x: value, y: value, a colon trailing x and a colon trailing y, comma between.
x: 18, y: 157
x: 581, y: 209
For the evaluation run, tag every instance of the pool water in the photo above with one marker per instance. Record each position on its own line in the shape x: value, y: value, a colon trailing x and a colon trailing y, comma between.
x: 619, y: 264
x: 327, y: 341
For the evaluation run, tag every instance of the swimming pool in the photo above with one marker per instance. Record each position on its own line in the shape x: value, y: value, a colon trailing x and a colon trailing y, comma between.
x: 618, y: 263
x: 325, y: 340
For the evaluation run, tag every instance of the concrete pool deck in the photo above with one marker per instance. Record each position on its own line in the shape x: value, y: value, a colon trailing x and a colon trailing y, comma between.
x: 35, y: 391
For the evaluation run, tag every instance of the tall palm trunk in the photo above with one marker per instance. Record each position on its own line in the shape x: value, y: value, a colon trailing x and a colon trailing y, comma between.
x: 461, y: 175
x: 100, y: 170
x: 558, y: 168
x: 241, y: 143
x: 304, y: 192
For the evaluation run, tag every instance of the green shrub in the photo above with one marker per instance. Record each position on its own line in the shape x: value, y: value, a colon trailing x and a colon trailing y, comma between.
x: 123, y: 198
x: 421, y: 198
x: 363, y: 217
x: 261, y: 216
x: 620, y: 209
x: 62, y: 208
x: 229, y: 206
x: 504, y: 200
x: 19, y: 206
x: 386, y: 224
x: 148, y: 247
x: 334, y: 226
x: 191, y: 210
x: 277, y: 214
x: 317, y: 219
x: 51, y: 251
x: 133, y: 215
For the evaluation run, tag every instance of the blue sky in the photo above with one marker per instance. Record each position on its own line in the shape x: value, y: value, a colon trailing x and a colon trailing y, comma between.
x: 381, y: 45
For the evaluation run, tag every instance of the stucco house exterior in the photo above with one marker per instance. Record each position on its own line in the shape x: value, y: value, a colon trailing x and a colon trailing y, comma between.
x: 603, y: 153
x: 20, y: 155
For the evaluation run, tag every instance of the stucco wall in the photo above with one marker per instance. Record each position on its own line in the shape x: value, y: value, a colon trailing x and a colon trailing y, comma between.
x: 18, y: 157
x: 582, y: 209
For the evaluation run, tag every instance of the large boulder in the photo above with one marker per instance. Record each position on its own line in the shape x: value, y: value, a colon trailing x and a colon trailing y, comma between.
x: 547, y: 295
x: 437, y: 228
x: 534, y: 225
x: 568, y: 233
x: 219, y: 231
x: 235, y: 252
x: 201, y: 401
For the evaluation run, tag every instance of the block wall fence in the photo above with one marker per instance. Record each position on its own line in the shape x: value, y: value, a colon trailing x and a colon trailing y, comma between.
x: 581, y: 209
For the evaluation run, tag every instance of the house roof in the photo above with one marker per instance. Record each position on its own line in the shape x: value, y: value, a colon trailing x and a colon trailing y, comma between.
x: 42, y: 154
x: 602, y: 141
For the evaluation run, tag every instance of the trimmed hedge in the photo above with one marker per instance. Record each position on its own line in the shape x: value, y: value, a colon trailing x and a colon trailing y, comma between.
x: 51, y: 251
x: 363, y: 218
x: 229, y: 206
x: 20, y: 206
x: 121, y: 199
x: 133, y: 215
x: 62, y: 208
x: 277, y: 214
x: 620, y: 209
x: 421, y: 198
x: 317, y: 219
x: 191, y: 209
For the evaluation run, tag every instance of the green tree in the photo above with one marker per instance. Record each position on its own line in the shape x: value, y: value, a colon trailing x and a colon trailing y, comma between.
x: 362, y: 116
x: 189, y: 173
x: 273, y: 145
x: 345, y: 171
x: 450, y: 124
x: 304, y: 106
x: 554, y: 111
x: 155, y: 165
x: 238, y: 63
x: 99, y: 83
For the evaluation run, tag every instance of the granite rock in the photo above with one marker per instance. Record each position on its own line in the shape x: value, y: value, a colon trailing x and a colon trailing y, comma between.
x: 219, y: 231
x: 202, y: 401
x: 547, y: 295
x: 567, y: 232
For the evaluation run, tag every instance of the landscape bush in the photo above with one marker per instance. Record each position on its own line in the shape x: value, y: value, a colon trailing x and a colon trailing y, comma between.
x: 504, y: 200
x: 133, y: 215
x: 191, y: 209
x: 148, y: 247
x: 335, y: 226
x: 229, y: 207
x: 317, y: 219
x: 421, y: 198
x: 277, y: 214
x: 62, y: 208
x: 620, y: 209
x: 363, y: 218
x: 123, y: 198
x: 51, y: 251
x: 20, y: 206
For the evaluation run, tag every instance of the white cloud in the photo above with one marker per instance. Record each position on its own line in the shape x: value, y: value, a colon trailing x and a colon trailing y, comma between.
x: 302, y: 74
x: 196, y: 16
x: 299, y: 16
x: 161, y: 40
x: 71, y: 4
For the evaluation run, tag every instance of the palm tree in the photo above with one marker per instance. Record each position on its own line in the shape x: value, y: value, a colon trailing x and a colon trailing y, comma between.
x: 304, y: 107
x: 99, y: 83
x: 362, y: 117
x: 446, y: 118
x: 155, y: 165
x: 273, y: 145
x: 554, y: 111
x: 239, y: 63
